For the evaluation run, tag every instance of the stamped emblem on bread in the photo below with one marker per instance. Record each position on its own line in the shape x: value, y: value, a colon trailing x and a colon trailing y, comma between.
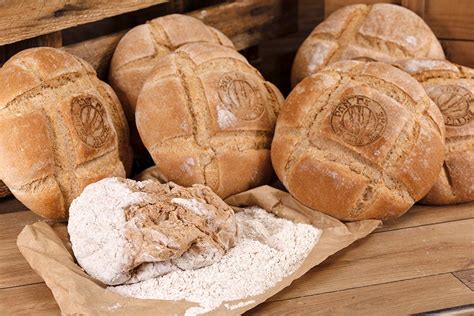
x: 240, y: 96
x: 358, y: 120
x: 89, y: 118
x: 454, y: 102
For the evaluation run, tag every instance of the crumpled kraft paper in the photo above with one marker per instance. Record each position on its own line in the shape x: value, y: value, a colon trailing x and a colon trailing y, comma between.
x: 47, y: 249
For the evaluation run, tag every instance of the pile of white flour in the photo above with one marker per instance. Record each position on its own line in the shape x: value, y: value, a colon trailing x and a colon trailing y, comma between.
x: 267, y: 250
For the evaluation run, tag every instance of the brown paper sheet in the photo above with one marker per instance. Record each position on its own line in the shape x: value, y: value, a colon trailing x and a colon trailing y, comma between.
x: 47, y: 250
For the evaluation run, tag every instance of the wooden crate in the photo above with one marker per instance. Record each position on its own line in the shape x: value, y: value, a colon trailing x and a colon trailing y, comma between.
x: 91, y: 29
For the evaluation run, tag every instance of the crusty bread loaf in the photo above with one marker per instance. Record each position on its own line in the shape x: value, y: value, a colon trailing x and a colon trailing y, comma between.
x: 141, y: 48
x: 381, y: 32
x: 61, y: 128
x: 206, y: 116
x: 359, y: 140
x: 451, y: 87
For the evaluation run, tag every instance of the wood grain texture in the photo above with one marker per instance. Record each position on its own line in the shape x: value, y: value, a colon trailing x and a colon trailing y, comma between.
x: 246, y: 23
x: 396, y: 298
x: 387, y: 268
x: 466, y: 277
x: 417, y: 6
x: 97, y: 51
x: 450, y: 20
x: 24, y: 19
x: 35, y: 299
x: 420, y: 215
x: 14, y: 270
x: 459, y: 52
x: 52, y: 40
x: 391, y: 256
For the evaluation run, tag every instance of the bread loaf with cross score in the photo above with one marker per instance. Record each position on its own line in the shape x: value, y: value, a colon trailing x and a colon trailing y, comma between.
x: 61, y: 128
x: 451, y: 87
x: 207, y: 116
x: 359, y: 140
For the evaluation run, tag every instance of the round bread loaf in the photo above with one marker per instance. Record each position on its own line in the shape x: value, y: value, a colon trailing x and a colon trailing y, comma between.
x: 359, y: 140
x: 206, y: 116
x: 141, y: 48
x: 379, y: 32
x: 123, y: 231
x: 61, y: 128
x: 451, y: 87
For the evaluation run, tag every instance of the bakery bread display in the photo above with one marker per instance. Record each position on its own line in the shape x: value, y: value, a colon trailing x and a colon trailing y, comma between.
x: 206, y: 116
x: 359, y: 140
x: 141, y: 48
x: 451, y: 87
x: 61, y: 128
x: 123, y: 231
x: 379, y: 32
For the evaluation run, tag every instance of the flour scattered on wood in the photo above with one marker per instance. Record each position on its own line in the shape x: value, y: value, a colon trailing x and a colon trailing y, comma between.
x: 267, y: 250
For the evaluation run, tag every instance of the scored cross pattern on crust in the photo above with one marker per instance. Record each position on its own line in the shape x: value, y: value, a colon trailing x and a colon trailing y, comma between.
x: 208, y: 87
x: 322, y: 147
x: 49, y: 100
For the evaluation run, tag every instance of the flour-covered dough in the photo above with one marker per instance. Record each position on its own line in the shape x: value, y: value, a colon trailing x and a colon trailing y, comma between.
x: 124, y: 231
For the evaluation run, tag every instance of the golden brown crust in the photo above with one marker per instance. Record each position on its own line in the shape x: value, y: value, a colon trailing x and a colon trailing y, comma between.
x: 61, y: 130
x: 358, y: 140
x: 379, y: 32
x: 141, y: 48
x: 451, y: 87
x: 206, y: 116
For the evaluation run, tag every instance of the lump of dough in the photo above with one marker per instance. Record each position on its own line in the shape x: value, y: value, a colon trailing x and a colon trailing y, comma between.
x: 124, y: 231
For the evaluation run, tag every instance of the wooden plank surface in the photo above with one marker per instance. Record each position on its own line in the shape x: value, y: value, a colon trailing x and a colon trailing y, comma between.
x: 396, y: 298
x: 14, y: 270
x: 420, y: 215
x: 29, y: 18
x: 35, y: 299
x: 391, y: 256
x: 246, y: 23
x: 466, y: 277
x: 429, y: 242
